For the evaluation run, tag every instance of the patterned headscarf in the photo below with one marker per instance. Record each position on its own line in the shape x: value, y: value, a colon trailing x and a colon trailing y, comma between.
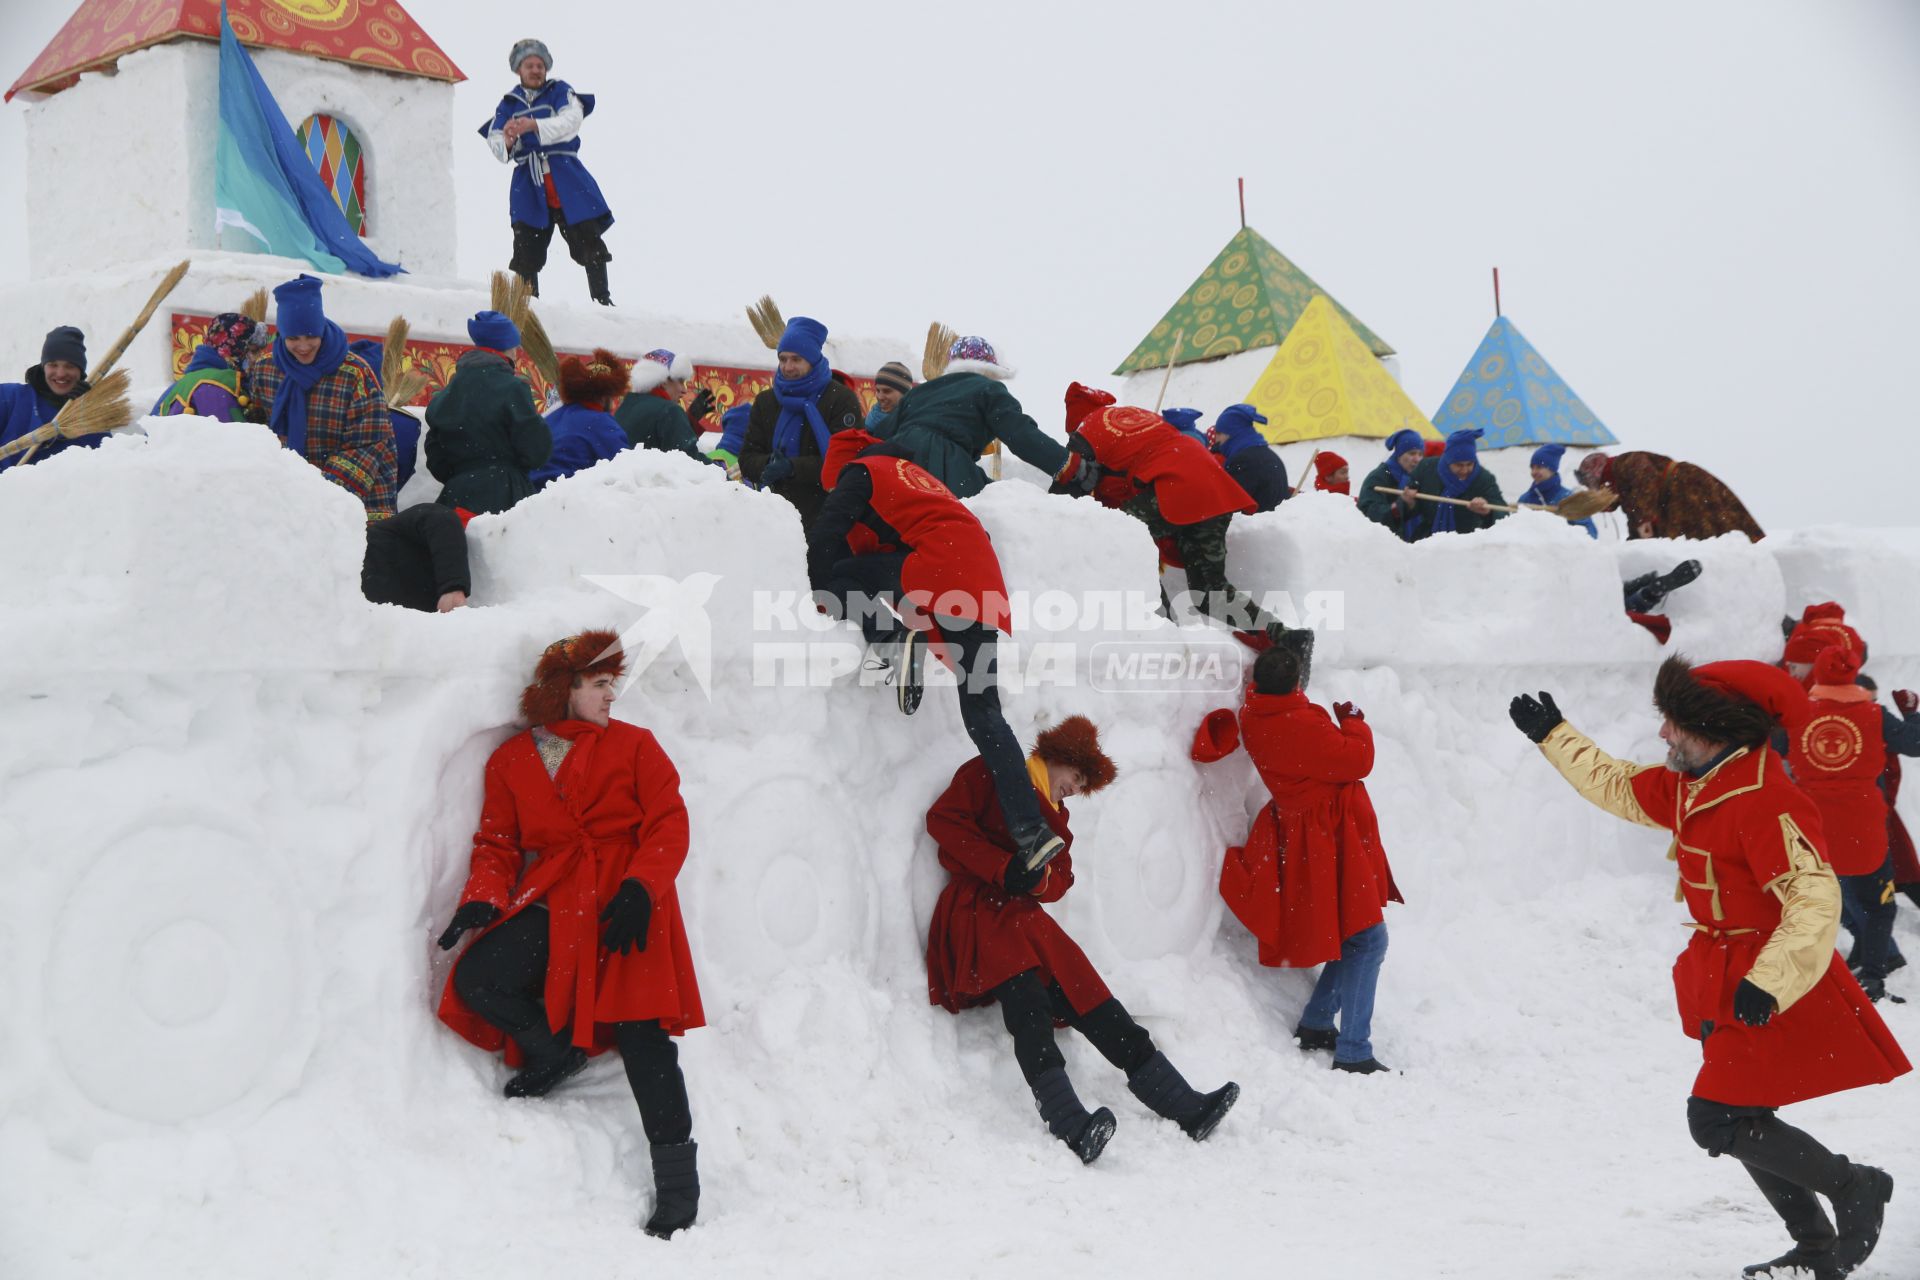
x: 232, y: 335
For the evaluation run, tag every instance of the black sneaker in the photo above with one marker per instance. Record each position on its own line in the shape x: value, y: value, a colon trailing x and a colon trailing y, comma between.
x: 539, y: 1079
x: 1041, y: 848
x: 1364, y: 1067
x: 1312, y: 1038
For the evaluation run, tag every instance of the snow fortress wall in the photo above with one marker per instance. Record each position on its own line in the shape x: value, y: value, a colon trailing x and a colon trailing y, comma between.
x: 236, y: 804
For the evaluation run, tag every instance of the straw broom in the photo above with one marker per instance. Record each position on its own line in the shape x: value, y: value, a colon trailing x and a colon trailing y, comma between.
x: 255, y: 307
x: 766, y: 320
x: 102, y: 407
x: 403, y: 385
x: 939, y: 350
x: 512, y: 297
x: 1577, y: 506
x: 118, y: 349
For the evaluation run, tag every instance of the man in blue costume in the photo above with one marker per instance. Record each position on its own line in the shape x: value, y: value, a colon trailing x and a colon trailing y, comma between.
x: 46, y: 389
x: 536, y: 129
x: 1548, y: 488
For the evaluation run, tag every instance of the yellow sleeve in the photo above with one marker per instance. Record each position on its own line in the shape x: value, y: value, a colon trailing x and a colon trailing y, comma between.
x: 1796, y: 957
x: 1599, y: 778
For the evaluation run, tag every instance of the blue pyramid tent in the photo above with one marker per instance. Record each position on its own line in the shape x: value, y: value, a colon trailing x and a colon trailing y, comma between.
x: 1514, y: 395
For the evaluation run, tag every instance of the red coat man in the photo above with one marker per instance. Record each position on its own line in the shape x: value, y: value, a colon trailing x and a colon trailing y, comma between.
x: 581, y: 945
x: 1779, y: 1017
x: 992, y: 940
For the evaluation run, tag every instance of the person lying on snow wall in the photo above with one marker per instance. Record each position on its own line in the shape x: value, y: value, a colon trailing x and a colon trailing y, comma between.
x: 1778, y: 1016
x: 1180, y: 493
x: 896, y: 552
x: 582, y: 947
x: 43, y: 391
x: 991, y: 940
x: 1312, y: 881
x: 484, y: 437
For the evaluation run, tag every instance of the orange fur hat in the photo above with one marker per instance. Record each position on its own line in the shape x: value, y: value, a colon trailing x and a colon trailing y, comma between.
x: 591, y: 653
x: 594, y: 381
x: 1075, y: 742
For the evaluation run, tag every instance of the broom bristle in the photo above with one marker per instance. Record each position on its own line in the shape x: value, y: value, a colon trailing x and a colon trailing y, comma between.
x: 394, y: 358
x: 497, y: 299
x: 939, y: 350
x: 519, y: 302
x: 1587, y: 502
x: 539, y: 348
x: 255, y: 307
x: 102, y: 407
x: 766, y: 320
x: 405, y: 387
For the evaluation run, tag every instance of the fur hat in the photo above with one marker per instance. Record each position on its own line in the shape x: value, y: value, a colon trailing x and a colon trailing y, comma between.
x: 1595, y: 470
x: 1736, y: 703
x: 528, y: 48
x: 593, y: 381
x: 1083, y: 400
x: 1075, y: 743
x: 591, y: 653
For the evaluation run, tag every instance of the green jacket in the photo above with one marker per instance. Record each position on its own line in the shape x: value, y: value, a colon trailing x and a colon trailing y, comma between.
x: 655, y: 422
x: 484, y: 435
x: 1427, y: 479
x: 1384, y: 508
x: 947, y: 423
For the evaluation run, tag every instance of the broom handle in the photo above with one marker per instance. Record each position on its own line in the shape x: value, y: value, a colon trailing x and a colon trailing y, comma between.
x: 1303, y: 475
x: 118, y: 349
x: 28, y: 442
x: 1434, y: 497
x: 1179, y: 339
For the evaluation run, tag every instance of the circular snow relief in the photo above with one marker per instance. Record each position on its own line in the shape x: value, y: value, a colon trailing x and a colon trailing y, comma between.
x: 173, y: 976
x: 789, y: 902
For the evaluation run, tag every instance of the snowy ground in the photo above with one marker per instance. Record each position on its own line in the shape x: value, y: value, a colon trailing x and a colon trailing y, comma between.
x: 234, y: 810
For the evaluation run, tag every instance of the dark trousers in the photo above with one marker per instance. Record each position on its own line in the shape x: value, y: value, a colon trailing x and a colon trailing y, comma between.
x: 584, y: 243
x: 1203, y: 547
x: 1030, y: 1008
x: 501, y: 978
x: 864, y: 585
x: 1868, y: 909
x: 1789, y: 1166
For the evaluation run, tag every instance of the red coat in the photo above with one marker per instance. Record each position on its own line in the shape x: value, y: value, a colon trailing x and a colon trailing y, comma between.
x: 1189, y: 485
x: 612, y: 812
x: 1731, y: 841
x: 1313, y: 872
x: 1837, y: 751
x: 981, y: 935
x: 951, y: 568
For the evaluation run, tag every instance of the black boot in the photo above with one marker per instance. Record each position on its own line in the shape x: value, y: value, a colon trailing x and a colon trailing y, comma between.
x: 1038, y: 847
x: 1085, y: 1132
x: 1311, y: 1038
x: 1806, y: 1222
x: 1859, y: 1192
x: 1364, y: 1067
x: 1858, y: 1213
x: 1167, y: 1094
x: 1645, y: 593
x: 676, y: 1188
x: 541, y: 1075
x: 597, y: 283
x: 533, y: 284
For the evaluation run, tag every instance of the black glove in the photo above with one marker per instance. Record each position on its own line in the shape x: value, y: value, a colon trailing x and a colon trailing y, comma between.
x: 1752, y: 1005
x: 474, y: 915
x: 627, y: 918
x: 1018, y: 879
x: 1535, y: 717
x: 701, y: 405
x: 779, y: 467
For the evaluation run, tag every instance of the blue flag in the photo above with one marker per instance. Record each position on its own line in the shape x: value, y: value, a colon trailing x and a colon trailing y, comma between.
x: 264, y: 184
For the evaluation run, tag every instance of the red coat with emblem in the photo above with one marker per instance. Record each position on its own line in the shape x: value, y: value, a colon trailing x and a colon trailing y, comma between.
x: 1837, y: 751
x: 1188, y: 484
x: 612, y: 811
x: 951, y: 568
x: 981, y: 935
x: 1736, y: 831
x: 1313, y: 872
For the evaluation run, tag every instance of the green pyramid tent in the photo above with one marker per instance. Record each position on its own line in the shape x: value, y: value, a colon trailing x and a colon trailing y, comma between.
x: 1250, y: 296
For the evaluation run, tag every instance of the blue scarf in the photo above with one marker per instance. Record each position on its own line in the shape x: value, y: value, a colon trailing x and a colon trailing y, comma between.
x: 1552, y: 490
x: 800, y: 402
x: 1239, y: 437
x: 289, y: 417
x: 1454, y: 487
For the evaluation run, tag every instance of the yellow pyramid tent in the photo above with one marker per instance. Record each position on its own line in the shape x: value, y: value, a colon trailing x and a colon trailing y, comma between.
x: 1324, y: 382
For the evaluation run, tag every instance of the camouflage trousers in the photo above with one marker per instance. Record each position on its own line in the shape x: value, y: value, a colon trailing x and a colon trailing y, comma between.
x: 1203, y: 546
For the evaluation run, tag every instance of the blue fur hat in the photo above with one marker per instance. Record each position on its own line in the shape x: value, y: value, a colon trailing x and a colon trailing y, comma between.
x: 494, y: 331
x: 297, y: 312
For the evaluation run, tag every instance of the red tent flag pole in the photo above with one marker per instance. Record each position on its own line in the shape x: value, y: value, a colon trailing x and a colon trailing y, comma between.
x: 1496, y: 293
x: 1243, y: 204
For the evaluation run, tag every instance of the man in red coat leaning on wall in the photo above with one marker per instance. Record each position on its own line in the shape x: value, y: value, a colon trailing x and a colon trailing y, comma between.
x: 582, y: 947
x: 1778, y: 1016
x: 991, y: 940
x: 1324, y: 901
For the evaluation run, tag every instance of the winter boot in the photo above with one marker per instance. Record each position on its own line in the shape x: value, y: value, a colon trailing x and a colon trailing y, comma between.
x: 1311, y: 1038
x: 1645, y: 593
x: 541, y: 1075
x: 1167, y: 1094
x: 1038, y: 847
x: 1067, y: 1119
x: 908, y: 683
x: 1858, y: 1212
x: 676, y: 1188
x: 1806, y: 1222
x: 1364, y: 1067
x: 597, y: 283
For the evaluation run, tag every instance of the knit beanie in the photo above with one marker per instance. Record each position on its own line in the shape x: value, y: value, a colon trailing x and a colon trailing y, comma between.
x: 65, y: 343
x: 1461, y: 446
x: 493, y: 331
x: 1237, y: 417
x: 1404, y: 440
x: 974, y: 354
x: 805, y: 338
x: 896, y: 375
x: 297, y: 310
x: 1548, y: 456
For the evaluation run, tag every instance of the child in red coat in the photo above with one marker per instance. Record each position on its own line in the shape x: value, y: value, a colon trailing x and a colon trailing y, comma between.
x: 990, y: 940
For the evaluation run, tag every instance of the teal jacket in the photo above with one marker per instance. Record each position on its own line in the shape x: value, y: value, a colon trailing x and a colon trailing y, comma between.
x: 945, y: 425
x: 655, y: 422
x: 484, y: 435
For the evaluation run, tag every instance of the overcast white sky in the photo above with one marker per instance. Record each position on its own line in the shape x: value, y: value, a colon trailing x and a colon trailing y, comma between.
x: 1706, y: 214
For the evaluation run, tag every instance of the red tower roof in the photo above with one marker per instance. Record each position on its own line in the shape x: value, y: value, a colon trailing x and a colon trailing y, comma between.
x: 366, y: 33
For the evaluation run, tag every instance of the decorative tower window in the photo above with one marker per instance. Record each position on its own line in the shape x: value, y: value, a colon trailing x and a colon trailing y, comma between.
x: 336, y: 153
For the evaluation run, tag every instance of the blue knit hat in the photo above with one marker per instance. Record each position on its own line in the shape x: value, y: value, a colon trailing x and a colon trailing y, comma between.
x: 1182, y: 420
x: 1237, y: 417
x: 1548, y: 456
x: 297, y: 313
x: 1404, y: 440
x: 805, y: 338
x: 1461, y: 446
x: 373, y: 352
x: 493, y: 331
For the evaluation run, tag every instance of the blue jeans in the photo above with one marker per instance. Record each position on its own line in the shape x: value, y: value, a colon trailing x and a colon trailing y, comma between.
x: 1346, y: 987
x: 1867, y: 908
